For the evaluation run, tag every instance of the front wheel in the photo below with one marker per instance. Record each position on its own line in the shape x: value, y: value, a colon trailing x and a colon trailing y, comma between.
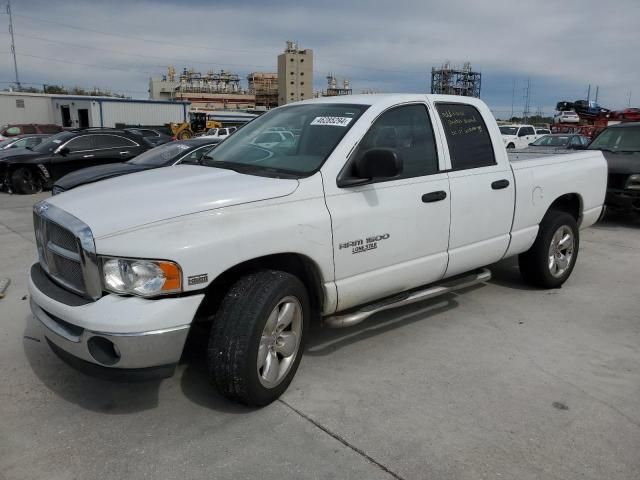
x: 257, y: 337
x: 26, y: 181
x: 550, y: 261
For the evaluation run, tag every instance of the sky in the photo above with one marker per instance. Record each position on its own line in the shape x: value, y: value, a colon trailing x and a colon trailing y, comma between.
x: 561, y: 47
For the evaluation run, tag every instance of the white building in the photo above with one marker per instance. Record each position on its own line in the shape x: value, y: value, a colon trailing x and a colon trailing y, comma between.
x: 88, y: 111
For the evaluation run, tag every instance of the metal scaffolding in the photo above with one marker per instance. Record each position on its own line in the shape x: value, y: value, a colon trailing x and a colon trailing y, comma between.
x: 213, y: 82
x: 450, y: 80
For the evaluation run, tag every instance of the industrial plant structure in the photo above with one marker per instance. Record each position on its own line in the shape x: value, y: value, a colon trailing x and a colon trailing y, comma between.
x: 211, y: 91
x: 295, y: 74
x: 448, y: 80
x: 265, y: 88
x: 333, y: 90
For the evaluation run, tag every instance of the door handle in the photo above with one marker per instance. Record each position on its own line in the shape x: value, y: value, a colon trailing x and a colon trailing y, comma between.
x: 124, y: 153
x: 500, y: 184
x: 434, y: 196
x: 87, y: 156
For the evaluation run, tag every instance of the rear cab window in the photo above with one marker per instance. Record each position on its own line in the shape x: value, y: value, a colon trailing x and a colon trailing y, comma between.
x: 467, y: 136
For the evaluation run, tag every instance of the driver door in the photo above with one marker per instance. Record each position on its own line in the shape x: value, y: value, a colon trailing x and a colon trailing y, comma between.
x: 391, y: 235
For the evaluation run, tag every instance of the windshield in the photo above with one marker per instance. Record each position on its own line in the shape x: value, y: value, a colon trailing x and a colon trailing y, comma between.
x: 162, y: 155
x: 508, y: 130
x: 53, y: 142
x: 6, y: 143
x: 552, y: 141
x: 295, y: 140
x: 624, y: 139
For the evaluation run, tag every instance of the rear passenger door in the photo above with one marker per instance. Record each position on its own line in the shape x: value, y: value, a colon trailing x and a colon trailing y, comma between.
x: 482, y: 190
x: 391, y: 235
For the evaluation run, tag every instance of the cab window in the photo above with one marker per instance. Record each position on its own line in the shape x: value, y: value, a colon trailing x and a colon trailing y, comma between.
x: 408, y: 131
x: 467, y: 136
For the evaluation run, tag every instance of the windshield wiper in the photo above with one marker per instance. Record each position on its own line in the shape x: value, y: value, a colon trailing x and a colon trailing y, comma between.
x: 249, y: 169
x: 602, y: 149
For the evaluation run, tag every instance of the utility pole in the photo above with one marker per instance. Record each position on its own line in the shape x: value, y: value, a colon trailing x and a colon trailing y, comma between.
x: 513, y: 94
x: 597, y: 88
x: 629, y: 99
x: 13, y: 44
x: 527, y: 101
x: 589, y: 93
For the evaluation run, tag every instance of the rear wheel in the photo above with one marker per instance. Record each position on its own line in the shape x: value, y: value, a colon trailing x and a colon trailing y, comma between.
x: 26, y: 181
x: 257, y: 337
x: 550, y: 261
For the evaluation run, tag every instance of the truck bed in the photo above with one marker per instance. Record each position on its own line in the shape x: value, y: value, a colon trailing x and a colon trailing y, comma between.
x: 526, y: 154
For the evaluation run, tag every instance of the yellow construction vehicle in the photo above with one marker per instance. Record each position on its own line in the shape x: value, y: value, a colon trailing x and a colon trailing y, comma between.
x: 200, y: 122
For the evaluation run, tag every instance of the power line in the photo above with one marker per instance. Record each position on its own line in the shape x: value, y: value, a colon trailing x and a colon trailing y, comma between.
x: 108, y: 50
x: 149, y: 40
x: 41, y: 84
x: 142, y: 39
x: 71, y: 62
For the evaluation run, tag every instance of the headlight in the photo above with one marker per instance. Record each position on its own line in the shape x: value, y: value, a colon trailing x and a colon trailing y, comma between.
x: 146, y: 278
x: 633, y: 182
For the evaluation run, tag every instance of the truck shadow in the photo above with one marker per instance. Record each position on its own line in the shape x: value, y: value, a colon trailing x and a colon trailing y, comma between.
x: 195, y: 382
x: 104, y: 396
x: 613, y: 220
x: 324, y: 341
x: 121, y: 398
x: 506, y: 273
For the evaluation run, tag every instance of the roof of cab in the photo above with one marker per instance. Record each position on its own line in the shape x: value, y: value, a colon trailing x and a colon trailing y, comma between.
x: 390, y: 98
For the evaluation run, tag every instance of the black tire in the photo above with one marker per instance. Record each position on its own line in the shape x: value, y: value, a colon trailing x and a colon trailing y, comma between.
x: 237, y: 330
x: 534, y: 264
x: 26, y: 181
x: 185, y: 135
x: 511, y: 145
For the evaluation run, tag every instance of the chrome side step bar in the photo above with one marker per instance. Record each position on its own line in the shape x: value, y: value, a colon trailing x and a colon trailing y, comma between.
x: 407, y: 298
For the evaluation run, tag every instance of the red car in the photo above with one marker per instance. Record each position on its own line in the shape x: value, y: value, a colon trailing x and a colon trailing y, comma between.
x: 25, y: 129
x: 629, y: 114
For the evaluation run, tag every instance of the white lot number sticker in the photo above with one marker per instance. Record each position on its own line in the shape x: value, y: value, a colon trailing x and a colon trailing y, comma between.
x: 332, y: 121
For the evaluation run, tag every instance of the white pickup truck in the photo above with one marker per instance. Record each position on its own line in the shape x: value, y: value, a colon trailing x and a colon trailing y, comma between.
x: 378, y: 201
x: 518, y: 136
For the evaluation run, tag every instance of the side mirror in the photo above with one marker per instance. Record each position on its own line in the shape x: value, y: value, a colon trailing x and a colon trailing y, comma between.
x: 64, y: 151
x: 377, y: 163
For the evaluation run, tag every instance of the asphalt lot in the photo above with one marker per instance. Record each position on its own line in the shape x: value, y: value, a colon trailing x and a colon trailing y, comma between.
x: 499, y: 381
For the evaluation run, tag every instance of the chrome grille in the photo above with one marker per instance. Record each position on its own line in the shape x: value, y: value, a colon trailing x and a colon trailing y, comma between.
x: 70, y: 271
x: 62, y: 238
x: 66, y: 250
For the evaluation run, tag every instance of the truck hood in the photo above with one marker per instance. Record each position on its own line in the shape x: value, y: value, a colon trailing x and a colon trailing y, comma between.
x: 623, y: 162
x: 131, y: 201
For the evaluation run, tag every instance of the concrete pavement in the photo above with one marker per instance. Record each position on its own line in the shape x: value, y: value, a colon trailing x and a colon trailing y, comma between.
x: 499, y: 381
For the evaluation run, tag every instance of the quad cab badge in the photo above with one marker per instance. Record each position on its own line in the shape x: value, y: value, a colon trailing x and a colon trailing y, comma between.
x: 364, y: 245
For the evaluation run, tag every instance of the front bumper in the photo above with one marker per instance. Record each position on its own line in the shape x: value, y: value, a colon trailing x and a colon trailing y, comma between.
x: 619, y: 199
x: 118, y: 333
